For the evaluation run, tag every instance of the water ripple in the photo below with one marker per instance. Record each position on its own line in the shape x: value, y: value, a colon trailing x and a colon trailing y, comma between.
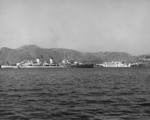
x: 75, y: 94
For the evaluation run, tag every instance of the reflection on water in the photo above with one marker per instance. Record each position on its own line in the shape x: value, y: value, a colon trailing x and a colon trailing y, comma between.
x: 75, y: 94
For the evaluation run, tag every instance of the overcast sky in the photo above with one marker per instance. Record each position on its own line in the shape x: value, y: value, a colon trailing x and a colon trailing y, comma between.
x: 84, y: 25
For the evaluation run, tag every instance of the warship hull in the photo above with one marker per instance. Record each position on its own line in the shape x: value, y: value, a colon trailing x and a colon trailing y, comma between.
x: 81, y: 66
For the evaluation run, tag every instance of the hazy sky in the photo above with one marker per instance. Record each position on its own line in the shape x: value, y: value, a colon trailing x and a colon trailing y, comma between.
x: 84, y: 25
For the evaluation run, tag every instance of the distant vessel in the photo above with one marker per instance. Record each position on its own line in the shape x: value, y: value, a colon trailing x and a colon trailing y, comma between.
x: 114, y: 64
x: 38, y: 64
x: 142, y: 63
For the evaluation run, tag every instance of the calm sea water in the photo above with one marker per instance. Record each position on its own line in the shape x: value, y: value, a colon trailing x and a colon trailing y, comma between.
x: 75, y: 94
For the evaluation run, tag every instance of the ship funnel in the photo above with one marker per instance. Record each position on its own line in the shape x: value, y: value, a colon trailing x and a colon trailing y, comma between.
x: 51, y: 60
x: 38, y: 60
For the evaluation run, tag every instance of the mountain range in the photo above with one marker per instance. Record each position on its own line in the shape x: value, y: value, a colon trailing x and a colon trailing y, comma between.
x: 31, y: 52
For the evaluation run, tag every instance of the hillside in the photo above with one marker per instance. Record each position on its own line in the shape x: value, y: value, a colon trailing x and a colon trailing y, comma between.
x: 114, y: 56
x: 30, y: 52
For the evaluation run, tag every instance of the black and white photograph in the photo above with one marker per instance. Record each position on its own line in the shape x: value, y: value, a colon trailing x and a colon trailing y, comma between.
x: 74, y: 59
